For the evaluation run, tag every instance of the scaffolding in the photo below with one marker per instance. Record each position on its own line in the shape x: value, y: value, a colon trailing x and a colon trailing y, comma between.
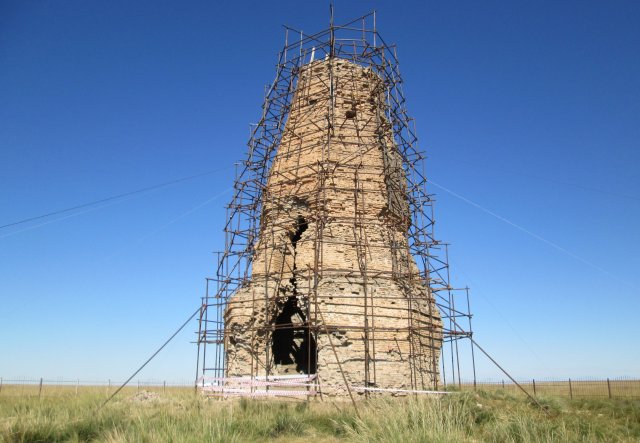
x: 254, y: 230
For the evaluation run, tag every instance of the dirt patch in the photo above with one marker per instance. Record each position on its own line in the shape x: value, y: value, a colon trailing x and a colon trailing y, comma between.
x: 145, y: 397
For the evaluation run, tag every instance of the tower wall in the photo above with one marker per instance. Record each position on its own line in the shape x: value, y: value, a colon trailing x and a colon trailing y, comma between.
x: 333, y: 283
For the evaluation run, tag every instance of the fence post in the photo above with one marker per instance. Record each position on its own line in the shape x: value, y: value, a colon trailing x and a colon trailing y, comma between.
x: 40, y: 389
x: 570, y: 390
x: 77, y: 385
x: 138, y: 385
x: 534, y: 387
x: 609, y: 387
x: 164, y: 387
x: 503, y: 383
x: 0, y: 384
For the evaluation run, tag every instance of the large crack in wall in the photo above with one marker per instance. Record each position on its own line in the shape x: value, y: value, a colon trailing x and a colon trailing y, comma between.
x: 292, y: 344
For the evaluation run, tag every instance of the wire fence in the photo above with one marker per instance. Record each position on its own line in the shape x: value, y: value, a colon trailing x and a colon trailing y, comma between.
x: 40, y: 387
x: 620, y: 387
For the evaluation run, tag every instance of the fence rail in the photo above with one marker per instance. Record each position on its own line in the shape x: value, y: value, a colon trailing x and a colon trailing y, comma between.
x: 620, y: 387
x: 40, y: 387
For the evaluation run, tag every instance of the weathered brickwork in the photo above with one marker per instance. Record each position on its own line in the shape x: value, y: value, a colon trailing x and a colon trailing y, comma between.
x: 332, y: 278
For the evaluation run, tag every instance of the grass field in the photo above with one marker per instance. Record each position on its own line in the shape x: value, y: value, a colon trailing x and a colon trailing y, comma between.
x: 581, y: 388
x: 615, y: 388
x: 179, y: 415
x: 620, y: 388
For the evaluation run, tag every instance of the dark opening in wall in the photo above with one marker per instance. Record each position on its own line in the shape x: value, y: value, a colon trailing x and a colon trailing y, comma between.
x: 301, y: 226
x: 307, y: 358
x: 294, y: 344
x: 283, y: 345
x: 292, y: 341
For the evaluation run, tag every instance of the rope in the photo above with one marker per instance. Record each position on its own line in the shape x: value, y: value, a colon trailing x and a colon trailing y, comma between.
x: 151, y: 358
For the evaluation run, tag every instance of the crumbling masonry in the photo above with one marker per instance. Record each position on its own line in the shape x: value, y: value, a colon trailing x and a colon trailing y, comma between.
x: 320, y: 274
x: 342, y: 186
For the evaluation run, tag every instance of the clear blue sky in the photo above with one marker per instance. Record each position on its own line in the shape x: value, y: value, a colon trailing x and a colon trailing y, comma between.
x: 529, y: 109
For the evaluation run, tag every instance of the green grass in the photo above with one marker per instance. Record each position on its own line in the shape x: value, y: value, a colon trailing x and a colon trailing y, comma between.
x: 181, y: 416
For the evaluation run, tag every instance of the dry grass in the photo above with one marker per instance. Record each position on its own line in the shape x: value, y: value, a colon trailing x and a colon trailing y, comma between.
x: 72, y: 390
x: 619, y: 388
x: 182, y: 416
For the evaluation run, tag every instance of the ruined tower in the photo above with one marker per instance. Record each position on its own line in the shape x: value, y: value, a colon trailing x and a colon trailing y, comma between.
x: 328, y: 272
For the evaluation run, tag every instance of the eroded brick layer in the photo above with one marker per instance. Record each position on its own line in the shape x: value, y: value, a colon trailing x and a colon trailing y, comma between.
x: 332, y: 277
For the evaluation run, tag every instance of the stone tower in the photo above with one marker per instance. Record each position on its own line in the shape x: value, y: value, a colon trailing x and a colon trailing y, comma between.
x: 334, y: 290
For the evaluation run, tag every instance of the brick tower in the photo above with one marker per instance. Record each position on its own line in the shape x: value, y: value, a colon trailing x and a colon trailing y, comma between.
x: 331, y: 279
x: 332, y: 253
